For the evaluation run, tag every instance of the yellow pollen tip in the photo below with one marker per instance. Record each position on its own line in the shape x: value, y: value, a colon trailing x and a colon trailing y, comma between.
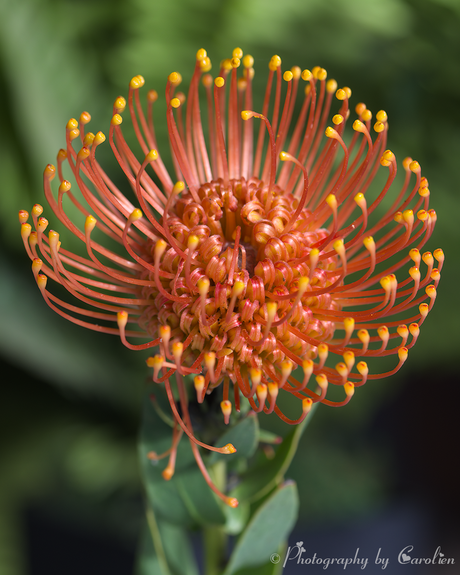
x: 122, y: 319
x: 303, y: 283
x: 358, y: 126
x: 381, y: 116
x: 402, y: 330
x: 349, y: 388
x: 152, y: 96
x: 256, y: 375
x: 321, y: 74
x: 198, y: 382
x: 341, y: 94
x: 360, y: 200
x: 85, y: 118
x: 275, y: 62
x: 238, y: 288
x: 136, y: 82
x: 116, y: 120
x: 362, y: 368
x: 307, y: 366
x: 53, y: 238
x: 201, y: 54
x: 83, y: 153
x: 72, y: 124
x: 156, y: 361
x: 237, y: 53
x: 177, y: 348
x: 403, y: 352
x: 272, y: 308
x: 179, y: 187
x: 284, y: 156
x: 203, y: 286
x: 321, y: 380
x: 49, y: 172
x: 88, y: 139
x: 26, y: 230
x: 296, y: 71
x: 235, y: 62
x: 192, y: 242
x: 349, y: 323
x: 288, y: 76
x: 306, y: 75
x: 219, y: 82
x: 414, y: 329
x: 331, y: 133
x: 226, y: 407
x: 99, y: 138
x: 337, y: 119
x: 73, y: 134
x: 331, y: 201
x: 439, y: 255
x: 119, y: 104
x: 422, y: 215
x: 229, y: 448
x: 165, y: 331
x: 331, y: 86
x: 363, y: 335
x: 23, y: 216
x: 306, y: 404
x: 286, y: 367
x: 414, y: 166
x: 41, y: 281
x: 175, y: 102
x: 248, y: 61
x: 339, y: 246
x: 430, y: 291
x: 151, y: 156
x: 423, y: 309
x: 226, y: 64
x: 175, y: 78
x: 135, y: 215
x: 209, y: 359
x: 160, y: 248
x: 90, y: 223
x: 379, y: 127
x: 64, y: 186
x: 247, y: 114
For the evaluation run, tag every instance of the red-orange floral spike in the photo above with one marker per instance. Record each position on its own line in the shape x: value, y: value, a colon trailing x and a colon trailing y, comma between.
x: 253, y: 263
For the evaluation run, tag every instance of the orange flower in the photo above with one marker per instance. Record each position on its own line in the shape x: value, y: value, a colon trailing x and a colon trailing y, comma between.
x: 268, y: 253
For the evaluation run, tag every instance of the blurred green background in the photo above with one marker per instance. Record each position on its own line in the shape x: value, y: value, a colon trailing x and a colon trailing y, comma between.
x: 69, y: 411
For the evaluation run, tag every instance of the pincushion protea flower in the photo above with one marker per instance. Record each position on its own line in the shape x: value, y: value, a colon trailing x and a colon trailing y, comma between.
x: 264, y: 256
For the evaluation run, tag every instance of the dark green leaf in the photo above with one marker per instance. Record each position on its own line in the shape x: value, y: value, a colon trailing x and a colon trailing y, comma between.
x: 244, y: 436
x: 268, y: 528
x: 260, y: 480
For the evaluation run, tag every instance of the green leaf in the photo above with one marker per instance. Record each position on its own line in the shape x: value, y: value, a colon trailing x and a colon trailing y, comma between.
x: 268, y: 528
x: 244, y: 436
x: 237, y: 518
x: 201, y: 503
x: 185, y: 499
x: 260, y: 480
x: 164, y: 550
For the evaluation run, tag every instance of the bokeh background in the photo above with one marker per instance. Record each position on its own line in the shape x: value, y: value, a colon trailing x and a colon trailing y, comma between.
x: 382, y: 473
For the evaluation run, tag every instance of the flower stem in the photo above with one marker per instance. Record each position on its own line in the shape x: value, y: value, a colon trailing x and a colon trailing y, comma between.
x: 214, y: 537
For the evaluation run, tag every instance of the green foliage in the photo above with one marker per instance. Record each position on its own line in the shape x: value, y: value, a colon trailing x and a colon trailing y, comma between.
x: 267, y: 529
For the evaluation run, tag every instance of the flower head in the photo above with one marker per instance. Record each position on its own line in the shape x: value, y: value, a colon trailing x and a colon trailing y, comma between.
x: 276, y: 247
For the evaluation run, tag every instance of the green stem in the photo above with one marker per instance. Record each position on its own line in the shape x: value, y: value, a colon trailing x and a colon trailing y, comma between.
x: 215, y: 544
x: 157, y: 542
x: 214, y: 537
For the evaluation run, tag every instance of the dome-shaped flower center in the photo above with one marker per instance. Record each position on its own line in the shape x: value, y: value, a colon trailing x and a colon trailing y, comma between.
x: 226, y: 258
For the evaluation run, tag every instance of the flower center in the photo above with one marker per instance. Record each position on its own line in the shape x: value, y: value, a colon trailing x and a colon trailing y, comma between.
x: 231, y: 278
